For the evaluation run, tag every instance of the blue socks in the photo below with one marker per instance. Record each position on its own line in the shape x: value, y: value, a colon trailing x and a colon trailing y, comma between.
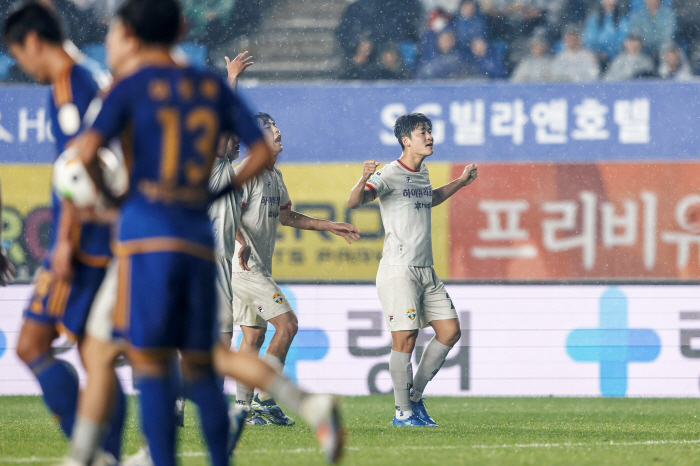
x: 158, y: 395
x: 206, y: 393
x: 113, y: 441
x: 59, y: 383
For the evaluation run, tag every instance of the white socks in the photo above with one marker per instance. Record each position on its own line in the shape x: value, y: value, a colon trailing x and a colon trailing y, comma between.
x: 431, y: 362
x: 402, y: 379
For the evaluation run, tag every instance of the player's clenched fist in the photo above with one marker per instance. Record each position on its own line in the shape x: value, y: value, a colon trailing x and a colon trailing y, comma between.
x: 369, y: 169
x: 470, y: 173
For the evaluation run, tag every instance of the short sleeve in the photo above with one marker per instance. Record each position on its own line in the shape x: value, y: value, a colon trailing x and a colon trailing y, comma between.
x: 285, y: 201
x: 378, y: 184
x: 237, y: 118
x: 112, y: 115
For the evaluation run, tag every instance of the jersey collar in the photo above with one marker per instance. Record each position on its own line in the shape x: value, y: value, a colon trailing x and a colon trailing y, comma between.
x: 404, y: 166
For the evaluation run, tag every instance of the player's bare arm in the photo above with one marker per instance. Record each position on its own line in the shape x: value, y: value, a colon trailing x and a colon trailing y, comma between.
x: 293, y: 219
x: 62, y: 260
x: 361, y: 194
x: 260, y: 156
x: 244, y: 253
x: 236, y: 67
x: 443, y: 193
x: 7, y: 269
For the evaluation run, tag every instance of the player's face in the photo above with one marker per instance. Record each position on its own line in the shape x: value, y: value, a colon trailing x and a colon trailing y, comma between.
x: 119, y: 45
x: 421, y: 141
x: 233, y: 147
x: 273, y: 137
x: 28, y: 57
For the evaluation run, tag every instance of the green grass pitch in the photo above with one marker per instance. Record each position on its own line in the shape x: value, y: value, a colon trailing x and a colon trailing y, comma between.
x: 483, y: 431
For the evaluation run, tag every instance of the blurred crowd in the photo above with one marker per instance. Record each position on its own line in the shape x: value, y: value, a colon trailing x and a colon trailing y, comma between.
x: 212, y: 25
x: 521, y: 40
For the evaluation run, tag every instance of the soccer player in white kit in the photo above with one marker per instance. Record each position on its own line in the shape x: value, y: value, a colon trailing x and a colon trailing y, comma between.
x: 410, y: 291
x: 257, y: 299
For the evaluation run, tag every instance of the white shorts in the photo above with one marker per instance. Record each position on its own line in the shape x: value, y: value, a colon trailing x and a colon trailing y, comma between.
x: 100, y: 321
x: 223, y: 294
x: 256, y: 299
x: 412, y: 297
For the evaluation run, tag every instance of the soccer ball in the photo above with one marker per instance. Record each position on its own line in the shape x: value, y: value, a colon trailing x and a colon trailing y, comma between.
x: 72, y: 181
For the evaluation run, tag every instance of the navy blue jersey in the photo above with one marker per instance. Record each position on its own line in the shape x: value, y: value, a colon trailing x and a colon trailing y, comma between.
x: 171, y: 119
x: 71, y: 94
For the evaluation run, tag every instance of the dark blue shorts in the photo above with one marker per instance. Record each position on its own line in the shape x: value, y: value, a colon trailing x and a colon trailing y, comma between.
x: 65, y: 304
x: 166, y: 299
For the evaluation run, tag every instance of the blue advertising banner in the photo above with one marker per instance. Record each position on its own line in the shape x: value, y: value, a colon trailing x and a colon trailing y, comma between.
x: 481, y: 122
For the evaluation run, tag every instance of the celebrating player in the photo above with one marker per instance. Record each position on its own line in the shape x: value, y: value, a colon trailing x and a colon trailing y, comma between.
x: 257, y: 299
x: 70, y: 277
x: 411, y: 294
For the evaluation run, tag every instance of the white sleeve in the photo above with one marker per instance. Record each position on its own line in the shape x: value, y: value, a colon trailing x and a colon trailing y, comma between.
x: 379, y: 184
x: 245, y: 189
x: 285, y: 201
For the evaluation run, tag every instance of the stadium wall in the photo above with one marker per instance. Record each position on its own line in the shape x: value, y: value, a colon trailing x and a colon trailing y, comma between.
x: 633, y: 341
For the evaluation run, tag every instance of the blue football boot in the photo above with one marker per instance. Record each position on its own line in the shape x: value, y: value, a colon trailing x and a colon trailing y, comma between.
x: 411, y: 421
x: 421, y: 413
x: 269, y: 411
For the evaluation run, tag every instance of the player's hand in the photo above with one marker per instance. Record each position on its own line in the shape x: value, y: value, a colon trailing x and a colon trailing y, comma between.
x: 7, y: 269
x: 345, y: 230
x: 369, y: 169
x: 62, y: 260
x: 469, y: 175
x: 244, y: 256
x: 238, y: 65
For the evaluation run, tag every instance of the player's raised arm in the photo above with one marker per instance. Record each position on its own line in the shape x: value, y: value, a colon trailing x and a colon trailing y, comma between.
x: 293, y: 219
x: 443, y: 193
x: 362, y: 193
x: 236, y: 67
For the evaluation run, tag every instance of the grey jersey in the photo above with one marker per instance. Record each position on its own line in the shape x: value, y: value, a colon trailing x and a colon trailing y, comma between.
x: 405, y: 201
x: 225, y: 213
x: 263, y: 197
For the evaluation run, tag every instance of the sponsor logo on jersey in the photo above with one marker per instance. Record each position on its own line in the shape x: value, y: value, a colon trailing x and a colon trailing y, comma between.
x: 408, y: 179
x: 277, y: 298
x: 422, y: 205
x: 261, y: 310
x: 411, y: 314
x: 418, y: 192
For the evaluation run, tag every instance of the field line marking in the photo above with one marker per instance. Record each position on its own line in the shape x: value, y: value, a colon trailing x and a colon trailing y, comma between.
x: 189, y: 454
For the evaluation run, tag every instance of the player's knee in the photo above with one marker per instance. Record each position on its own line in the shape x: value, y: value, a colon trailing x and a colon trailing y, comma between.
x: 456, y: 335
x: 31, y: 347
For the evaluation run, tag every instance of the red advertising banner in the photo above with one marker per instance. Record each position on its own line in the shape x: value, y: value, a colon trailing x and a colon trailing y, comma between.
x: 577, y: 221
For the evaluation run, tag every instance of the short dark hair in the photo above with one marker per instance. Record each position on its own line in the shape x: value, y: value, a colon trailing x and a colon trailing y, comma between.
x: 33, y: 16
x: 262, y: 118
x: 153, y: 22
x: 407, y: 123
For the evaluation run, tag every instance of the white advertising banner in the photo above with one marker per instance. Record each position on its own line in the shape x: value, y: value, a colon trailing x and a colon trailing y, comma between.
x: 533, y: 340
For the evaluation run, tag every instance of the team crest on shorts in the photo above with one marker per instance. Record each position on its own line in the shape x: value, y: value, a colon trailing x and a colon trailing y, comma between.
x: 411, y: 314
x: 277, y: 298
x: 261, y: 310
x: 391, y: 319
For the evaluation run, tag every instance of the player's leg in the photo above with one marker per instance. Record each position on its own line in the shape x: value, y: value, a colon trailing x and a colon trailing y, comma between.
x: 399, y: 291
x: 440, y: 313
x: 320, y: 411
x: 57, y: 378
x: 252, y: 340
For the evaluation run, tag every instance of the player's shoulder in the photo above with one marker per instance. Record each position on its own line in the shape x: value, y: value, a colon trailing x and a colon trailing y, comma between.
x: 75, y: 83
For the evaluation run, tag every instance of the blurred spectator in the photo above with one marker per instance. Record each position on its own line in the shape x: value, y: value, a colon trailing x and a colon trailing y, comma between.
x: 688, y: 14
x: 391, y: 65
x: 631, y: 63
x: 470, y: 23
x: 511, y: 19
x: 363, y: 64
x: 448, y: 63
x: 81, y: 26
x: 537, y: 67
x: 385, y: 20
x: 209, y: 21
x: 485, y: 61
x: 450, y: 6
x: 674, y: 64
x: 606, y: 29
x: 574, y: 63
x: 438, y: 21
x: 655, y: 24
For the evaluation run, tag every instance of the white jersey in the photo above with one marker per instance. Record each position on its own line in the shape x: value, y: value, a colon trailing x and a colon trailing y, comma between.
x: 263, y: 197
x: 225, y: 213
x: 405, y: 201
